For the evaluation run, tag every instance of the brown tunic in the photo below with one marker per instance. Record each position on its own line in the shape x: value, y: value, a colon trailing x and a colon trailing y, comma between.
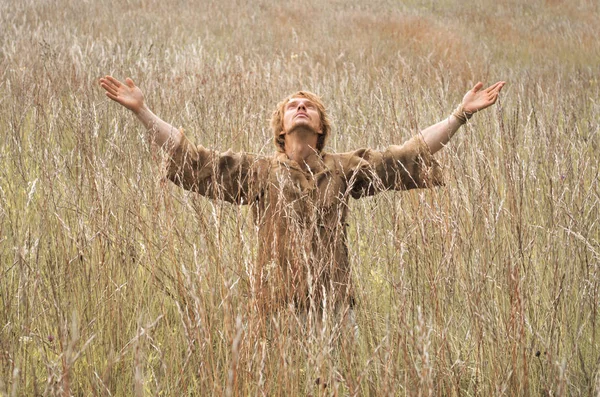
x: 301, y: 213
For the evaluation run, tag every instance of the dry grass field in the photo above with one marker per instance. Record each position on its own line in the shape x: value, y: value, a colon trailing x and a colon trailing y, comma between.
x: 114, y: 281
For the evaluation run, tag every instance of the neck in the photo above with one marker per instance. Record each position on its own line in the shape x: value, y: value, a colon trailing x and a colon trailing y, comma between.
x: 300, y: 145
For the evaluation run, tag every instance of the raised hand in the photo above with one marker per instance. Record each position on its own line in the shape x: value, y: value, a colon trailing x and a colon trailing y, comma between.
x: 477, y: 99
x: 128, y: 94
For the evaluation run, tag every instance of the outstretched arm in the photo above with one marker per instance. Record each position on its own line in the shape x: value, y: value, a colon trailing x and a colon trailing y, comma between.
x: 131, y: 97
x: 476, y: 99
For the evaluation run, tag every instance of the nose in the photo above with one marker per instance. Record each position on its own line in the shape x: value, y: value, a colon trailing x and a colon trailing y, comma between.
x: 301, y: 106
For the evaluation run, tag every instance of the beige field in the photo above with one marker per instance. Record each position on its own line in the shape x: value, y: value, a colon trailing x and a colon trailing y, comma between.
x: 113, y: 281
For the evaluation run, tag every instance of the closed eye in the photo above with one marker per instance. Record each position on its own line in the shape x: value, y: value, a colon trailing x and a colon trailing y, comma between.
x: 295, y: 104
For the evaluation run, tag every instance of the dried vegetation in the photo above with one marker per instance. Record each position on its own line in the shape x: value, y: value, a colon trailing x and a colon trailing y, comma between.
x: 115, y: 282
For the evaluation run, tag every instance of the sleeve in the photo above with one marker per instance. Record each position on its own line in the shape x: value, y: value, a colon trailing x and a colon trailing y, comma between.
x: 225, y: 176
x: 404, y: 167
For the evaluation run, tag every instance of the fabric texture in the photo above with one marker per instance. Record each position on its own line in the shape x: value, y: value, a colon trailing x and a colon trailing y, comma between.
x: 301, y: 212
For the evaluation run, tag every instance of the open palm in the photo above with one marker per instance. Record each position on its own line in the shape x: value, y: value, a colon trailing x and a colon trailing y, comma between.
x: 128, y: 94
x: 477, y: 99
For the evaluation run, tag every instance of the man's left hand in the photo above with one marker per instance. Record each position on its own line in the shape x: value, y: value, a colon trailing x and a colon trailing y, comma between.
x: 477, y: 99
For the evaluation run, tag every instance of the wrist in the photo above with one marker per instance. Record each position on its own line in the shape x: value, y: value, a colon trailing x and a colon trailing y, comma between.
x: 461, y: 114
x: 145, y: 115
x: 140, y: 110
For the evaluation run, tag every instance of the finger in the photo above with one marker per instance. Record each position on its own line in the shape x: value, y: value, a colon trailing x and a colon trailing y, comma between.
x: 492, y: 87
x: 496, y: 87
x: 496, y: 92
x: 112, y: 96
x: 499, y: 88
x: 108, y: 88
x: 477, y: 87
x: 105, y: 83
x: 116, y: 82
x: 493, y: 96
x: 108, y: 84
x: 129, y: 82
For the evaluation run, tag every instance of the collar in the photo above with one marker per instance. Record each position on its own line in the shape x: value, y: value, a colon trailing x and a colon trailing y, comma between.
x: 314, y: 163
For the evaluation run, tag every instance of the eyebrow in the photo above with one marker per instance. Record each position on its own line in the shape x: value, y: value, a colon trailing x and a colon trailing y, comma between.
x: 296, y: 100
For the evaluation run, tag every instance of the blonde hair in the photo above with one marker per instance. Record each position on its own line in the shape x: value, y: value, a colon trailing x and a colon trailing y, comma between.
x: 277, y: 120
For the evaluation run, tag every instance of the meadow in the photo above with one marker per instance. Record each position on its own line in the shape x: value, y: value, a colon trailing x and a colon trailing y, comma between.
x: 114, y: 281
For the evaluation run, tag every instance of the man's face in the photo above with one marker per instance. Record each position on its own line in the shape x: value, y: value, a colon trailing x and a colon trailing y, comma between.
x: 301, y: 112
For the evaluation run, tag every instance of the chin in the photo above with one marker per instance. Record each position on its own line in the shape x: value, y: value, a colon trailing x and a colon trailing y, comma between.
x: 303, y: 126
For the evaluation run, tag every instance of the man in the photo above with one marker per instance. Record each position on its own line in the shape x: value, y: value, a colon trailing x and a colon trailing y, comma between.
x: 299, y: 196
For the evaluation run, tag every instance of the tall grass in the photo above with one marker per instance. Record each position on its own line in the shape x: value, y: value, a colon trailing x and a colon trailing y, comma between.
x: 115, y: 282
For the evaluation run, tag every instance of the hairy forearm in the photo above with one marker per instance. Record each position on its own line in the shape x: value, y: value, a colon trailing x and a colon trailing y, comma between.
x: 160, y: 131
x: 438, y: 135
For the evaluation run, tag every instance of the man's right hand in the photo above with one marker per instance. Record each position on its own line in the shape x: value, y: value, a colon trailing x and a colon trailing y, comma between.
x: 128, y: 94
